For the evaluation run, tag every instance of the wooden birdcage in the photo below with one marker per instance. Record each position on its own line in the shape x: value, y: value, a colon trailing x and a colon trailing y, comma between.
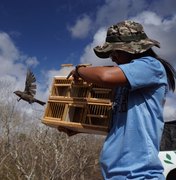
x: 80, y: 106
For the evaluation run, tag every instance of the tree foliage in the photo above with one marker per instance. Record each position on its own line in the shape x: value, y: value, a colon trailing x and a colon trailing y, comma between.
x: 32, y: 151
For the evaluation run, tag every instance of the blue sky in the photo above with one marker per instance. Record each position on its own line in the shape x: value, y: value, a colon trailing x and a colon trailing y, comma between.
x: 43, y: 35
x: 41, y: 28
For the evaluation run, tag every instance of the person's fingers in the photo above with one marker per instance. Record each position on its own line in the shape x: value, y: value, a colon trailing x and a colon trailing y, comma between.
x: 67, y: 131
x: 70, y: 74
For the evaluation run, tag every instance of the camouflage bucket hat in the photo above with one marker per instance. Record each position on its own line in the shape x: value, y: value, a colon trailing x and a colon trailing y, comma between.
x: 127, y: 36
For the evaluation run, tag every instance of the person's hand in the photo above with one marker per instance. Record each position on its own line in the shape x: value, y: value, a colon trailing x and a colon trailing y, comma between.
x: 74, y: 74
x: 67, y: 131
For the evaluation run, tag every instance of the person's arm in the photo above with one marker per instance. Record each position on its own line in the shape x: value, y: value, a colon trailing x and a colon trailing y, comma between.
x: 101, y: 75
x: 67, y: 131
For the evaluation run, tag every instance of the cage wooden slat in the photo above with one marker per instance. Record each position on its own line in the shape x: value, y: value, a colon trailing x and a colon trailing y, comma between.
x: 59, y: 109
x: 54, y: 109
x: 79, y: 103
x: 61, y: 85
x: 97, y: 116
x: 51, y: 110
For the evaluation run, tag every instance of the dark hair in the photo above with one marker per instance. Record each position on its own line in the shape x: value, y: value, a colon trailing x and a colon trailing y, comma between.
x: 170, y: 71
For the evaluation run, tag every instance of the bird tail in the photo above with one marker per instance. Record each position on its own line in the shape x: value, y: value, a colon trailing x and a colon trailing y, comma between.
x: 40, y: 102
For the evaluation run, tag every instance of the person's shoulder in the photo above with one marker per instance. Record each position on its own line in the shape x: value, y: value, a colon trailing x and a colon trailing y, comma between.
x: 148, y: 60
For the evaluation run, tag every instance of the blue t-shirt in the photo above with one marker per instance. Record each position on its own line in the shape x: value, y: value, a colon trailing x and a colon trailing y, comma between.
x: 131, y: 148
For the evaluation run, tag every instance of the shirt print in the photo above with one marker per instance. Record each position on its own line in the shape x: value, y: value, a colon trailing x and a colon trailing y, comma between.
x: 120, y: 103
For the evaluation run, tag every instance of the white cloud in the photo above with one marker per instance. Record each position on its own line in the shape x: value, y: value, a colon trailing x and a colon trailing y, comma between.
x: 81, y: 27
x: 148, y: 18
x: 170, y: 108
x: 163, y: 7
x: 32, y: 61
x: 49, y: 75
x: 62, y: 72
x: 89, y: 55
x: 13, y: 69
x: 156, y: 26
x: 7, y: 48
x: 13, y: 62
x: 162, y: 30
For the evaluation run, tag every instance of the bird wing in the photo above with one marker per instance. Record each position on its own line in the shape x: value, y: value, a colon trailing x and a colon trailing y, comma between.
x: 30, y: 86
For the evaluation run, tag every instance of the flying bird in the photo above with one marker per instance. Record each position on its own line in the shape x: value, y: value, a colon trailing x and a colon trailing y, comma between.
x: 30, y: 90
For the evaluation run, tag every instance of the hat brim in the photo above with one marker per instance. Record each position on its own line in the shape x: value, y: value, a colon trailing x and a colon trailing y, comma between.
x: 130, y: 47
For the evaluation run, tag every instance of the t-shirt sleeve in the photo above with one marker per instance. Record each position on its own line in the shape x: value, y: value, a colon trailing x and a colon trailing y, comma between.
x: 143, y: 72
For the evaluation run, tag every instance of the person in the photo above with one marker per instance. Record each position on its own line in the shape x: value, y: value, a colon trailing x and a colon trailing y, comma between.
x: 141, y: 80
